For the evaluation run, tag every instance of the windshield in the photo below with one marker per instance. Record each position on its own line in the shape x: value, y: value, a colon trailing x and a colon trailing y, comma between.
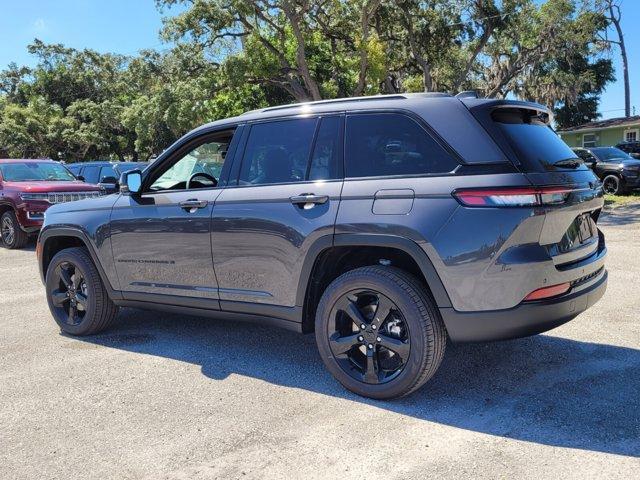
x: 35, y: 172
x: 538, y: 147
x: 610, y: 153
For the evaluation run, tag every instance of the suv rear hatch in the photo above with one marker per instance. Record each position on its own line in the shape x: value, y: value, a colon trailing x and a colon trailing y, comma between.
x: 522, y: 130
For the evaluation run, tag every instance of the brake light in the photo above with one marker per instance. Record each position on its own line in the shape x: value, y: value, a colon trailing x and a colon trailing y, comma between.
x: 548, y: 292
x: 512, y: 196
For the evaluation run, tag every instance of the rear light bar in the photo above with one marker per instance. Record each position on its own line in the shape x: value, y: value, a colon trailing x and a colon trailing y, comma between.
x: 512, y: 196
x: 548, y: 292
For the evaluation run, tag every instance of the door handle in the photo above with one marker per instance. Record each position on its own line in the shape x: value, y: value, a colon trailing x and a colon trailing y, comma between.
x: 308, y: 199
x: 193, y: 204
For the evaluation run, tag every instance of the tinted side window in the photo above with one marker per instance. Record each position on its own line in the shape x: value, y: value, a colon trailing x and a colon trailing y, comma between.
x: 75, y: 169
x: 91, y: 174
x: 277, y: 152
x: 108, y: 172
x: 538, y: 147
x: 585, y: 155
x: 326, y: 161
x: 392, y: 144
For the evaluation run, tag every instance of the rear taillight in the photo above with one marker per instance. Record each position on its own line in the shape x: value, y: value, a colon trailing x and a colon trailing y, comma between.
x: 512, y: 196
x: 548, y: 292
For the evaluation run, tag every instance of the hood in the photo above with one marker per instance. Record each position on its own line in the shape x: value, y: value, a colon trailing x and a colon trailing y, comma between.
x: 45, y: 187
x: 104, y: 202
x: 629, y: 162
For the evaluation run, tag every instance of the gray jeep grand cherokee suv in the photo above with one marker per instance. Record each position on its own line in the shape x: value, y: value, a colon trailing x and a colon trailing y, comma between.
x: 384, y: 224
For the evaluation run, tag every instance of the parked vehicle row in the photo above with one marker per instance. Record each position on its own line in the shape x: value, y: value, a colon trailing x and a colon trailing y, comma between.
x: 385, y: 225
x: 632, y: 148
x: 29, y: 187
x: 619, y: 172
x: 104, y: 174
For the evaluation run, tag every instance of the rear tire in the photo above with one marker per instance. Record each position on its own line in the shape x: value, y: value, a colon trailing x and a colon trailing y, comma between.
x: 612, y: 184
x: 12, y: 235
x: 77, y: 298
x: 379, y: 355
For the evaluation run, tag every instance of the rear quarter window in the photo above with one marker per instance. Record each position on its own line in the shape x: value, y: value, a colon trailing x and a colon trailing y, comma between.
x: 387, y: 144
x: 535, y: 143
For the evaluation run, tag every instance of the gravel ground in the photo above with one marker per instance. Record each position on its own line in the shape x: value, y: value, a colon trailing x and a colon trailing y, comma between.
x: 164, y: 396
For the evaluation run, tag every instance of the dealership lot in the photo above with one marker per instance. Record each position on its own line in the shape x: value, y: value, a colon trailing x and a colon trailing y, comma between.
x: 169, y: 396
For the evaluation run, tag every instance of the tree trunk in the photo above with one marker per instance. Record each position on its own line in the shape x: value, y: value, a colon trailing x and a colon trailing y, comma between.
x: 367, y: 12
x: 615, y: 19
x: 427, y: 80
x: 301, y: 54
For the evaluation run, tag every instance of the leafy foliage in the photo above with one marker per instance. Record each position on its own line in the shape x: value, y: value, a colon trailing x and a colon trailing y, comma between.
x: 230, y: 56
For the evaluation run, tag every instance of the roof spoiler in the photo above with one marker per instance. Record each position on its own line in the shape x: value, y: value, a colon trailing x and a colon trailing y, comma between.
x: 467, y: 94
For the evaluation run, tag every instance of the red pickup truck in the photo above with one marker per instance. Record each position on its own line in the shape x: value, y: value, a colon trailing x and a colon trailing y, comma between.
x: 27, y: 189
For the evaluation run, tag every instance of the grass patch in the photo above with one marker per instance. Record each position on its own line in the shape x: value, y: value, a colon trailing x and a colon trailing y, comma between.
x: 618, y: 200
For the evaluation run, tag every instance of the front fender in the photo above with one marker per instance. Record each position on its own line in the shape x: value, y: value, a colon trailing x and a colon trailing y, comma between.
x: 52, y: 232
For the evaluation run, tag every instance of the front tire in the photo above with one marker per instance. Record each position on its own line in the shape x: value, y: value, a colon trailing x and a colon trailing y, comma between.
x: 77, y: 298
x: 612, y: 184
x: 379, y: 332
x: 12, y: 235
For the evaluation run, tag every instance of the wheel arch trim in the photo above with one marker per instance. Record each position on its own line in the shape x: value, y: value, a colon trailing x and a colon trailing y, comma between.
x: 51, y: 233
x: 374, y: 240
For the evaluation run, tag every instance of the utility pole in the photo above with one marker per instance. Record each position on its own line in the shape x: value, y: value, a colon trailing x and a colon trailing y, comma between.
x: 614, y: 16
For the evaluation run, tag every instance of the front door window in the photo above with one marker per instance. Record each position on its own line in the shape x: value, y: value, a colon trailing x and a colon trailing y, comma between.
x: 199, y: 168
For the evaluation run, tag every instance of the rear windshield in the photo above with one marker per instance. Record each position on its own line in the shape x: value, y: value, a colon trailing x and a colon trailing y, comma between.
x: 35, y: 171
x: 538, y: 147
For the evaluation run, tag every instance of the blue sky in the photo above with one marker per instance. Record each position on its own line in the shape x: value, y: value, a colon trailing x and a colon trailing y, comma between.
x: 126, y: 26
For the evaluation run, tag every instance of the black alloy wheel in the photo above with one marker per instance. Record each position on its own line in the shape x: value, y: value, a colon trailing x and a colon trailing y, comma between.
x: 612, y: 185
x: 71, y: 296
x: 379, y: 332
x: 368, y: 336
x: 76, y: 295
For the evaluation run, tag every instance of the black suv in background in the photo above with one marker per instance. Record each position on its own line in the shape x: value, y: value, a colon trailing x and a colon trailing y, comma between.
x: 618, y: 171
x: 105, y: 174
x: 632, y: 148
x: 384, y: 224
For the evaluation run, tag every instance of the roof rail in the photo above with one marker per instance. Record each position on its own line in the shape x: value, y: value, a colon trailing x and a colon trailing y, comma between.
x: 336, y: 100
x: 394, y: 96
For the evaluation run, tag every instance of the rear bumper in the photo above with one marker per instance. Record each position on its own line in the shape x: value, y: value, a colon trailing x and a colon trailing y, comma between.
x: 525, y: 319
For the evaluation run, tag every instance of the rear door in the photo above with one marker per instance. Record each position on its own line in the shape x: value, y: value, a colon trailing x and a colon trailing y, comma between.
x: 285, y: 199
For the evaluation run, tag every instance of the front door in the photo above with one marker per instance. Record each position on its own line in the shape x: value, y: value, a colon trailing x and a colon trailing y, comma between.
x: 161, y: 238
x: 286, y: 199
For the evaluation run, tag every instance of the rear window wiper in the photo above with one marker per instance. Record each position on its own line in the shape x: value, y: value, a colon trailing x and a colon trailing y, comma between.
x: 569, y: 163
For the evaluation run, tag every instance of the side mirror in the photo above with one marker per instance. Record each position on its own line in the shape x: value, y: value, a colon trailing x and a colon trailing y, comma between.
x: 131, y: 182
x: 80, y: 177
x: 635, y: 155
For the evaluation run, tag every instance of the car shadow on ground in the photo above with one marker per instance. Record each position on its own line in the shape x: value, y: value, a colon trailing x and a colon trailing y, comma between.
x: 621, y: 215
x: 542, y: 389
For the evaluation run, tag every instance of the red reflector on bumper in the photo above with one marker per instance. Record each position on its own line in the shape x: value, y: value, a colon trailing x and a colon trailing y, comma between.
x: 548, y: 292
